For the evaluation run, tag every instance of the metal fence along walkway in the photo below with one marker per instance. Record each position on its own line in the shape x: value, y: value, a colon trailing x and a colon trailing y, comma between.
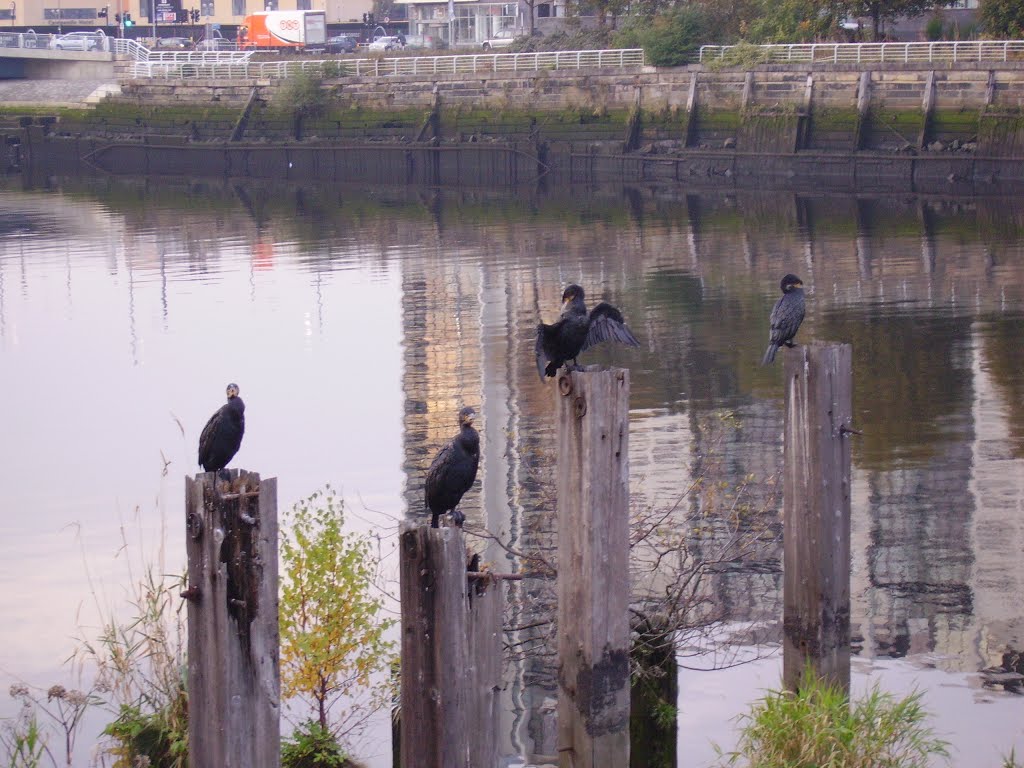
x: 865, y: 53
x: 179, y: 66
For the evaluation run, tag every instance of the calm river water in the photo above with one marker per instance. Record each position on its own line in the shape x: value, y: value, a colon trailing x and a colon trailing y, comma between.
x: 358, y: 321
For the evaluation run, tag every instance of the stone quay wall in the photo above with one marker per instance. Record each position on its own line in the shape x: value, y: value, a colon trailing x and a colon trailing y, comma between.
x: 973, y: 107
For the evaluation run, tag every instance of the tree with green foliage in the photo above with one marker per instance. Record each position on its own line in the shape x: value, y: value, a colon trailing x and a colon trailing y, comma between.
x: 606, y: 11
x: 792, y: 21
x: 1002, y: 19
x: 332, y: 625
x: 668, y: 39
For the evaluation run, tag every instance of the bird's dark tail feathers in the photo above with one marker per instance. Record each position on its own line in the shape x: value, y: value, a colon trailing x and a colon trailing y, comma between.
x: 769, y: 355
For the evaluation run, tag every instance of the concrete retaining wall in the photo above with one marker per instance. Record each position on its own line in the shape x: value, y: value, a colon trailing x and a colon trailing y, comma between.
x: 906, y: 106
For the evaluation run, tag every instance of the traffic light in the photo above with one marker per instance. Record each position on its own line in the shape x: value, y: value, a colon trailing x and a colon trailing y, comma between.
x: 102, y: 12
x: 195, y: 15
x: 128, y: 22
x: 366, y: 19
x: 117, y: 18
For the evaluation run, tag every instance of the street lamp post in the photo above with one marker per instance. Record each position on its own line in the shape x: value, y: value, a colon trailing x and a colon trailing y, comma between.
x: 14, y: 11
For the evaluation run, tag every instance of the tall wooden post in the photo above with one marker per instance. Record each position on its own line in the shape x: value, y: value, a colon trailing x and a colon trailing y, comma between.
x: 451, y: 655
x: 234, y: 681
x: 816, y: 532
x: 593, y: 568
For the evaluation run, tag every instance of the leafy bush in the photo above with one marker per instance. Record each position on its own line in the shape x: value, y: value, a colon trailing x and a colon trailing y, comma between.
x: 933, y: 29
x: 303, y: 94
x: 791, y: 21
x: 1002, y: 18
x: 161, y: 737
x: 670, y: 39
x: 312, y: 746
x: 818, y: 728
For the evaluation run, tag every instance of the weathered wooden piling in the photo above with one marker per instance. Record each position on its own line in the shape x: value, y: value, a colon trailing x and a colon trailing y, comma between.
x: 233, y: 671
x: 593, y: 568
x: 816, y: 584
x: 451, y: 654
x: 863, y: 111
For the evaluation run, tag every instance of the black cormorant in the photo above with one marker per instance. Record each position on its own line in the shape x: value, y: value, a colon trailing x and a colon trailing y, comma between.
x: 576, y: 331
x: 787, y: 314
x: 453, y: 471
x: 222, y: 435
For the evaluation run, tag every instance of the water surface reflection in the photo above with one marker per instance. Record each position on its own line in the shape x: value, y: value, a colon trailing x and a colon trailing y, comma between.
x: 358, y: 321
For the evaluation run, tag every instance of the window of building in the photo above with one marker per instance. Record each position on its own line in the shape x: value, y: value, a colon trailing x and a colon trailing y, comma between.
x: 238, y: 7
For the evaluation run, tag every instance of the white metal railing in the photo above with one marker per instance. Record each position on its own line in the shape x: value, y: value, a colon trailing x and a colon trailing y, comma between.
x: 97, y: 41
x: 235, y: 69
x: 866, y: 53
x: 140, y: 53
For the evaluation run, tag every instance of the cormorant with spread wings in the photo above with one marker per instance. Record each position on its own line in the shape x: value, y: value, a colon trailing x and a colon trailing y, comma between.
x: 577, y: 330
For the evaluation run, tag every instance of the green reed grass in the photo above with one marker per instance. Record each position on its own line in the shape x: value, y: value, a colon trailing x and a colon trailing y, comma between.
x: 819, y: 727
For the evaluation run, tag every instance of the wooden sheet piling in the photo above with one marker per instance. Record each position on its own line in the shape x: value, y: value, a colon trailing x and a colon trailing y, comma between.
x: 451, y: 654
x: 593, y: 568
x: 233, y: 670
x: 816, y: 582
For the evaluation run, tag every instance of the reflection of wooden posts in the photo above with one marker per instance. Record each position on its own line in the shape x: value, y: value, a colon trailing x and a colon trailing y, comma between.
x: 233, y: 673
x: 816, y: 591
x: 451, y: 655
x: 593, y: 569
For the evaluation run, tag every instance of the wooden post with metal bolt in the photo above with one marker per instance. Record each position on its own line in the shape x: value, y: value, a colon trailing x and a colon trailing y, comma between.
x: 234, y: 682
x: 816, y: 511
x: 451, y: 653
x: 592, y: 409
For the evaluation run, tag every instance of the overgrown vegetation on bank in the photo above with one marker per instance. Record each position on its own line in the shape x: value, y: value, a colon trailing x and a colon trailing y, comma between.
x: 335, y: 660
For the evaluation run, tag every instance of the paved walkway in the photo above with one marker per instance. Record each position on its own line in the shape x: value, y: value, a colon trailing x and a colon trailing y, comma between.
x: 53, y: 93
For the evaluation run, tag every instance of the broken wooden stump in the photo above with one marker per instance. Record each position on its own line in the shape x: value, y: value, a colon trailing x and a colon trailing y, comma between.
x: 234, y: 680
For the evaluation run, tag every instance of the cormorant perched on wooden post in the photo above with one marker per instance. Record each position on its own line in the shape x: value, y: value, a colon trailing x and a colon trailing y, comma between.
x: 787, y: 314
x: 222, y: 435
x: 453, y: 471
x: 576, y: 331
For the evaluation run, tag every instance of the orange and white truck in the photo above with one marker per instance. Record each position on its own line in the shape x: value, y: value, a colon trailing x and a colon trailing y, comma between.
x: 283, y: 29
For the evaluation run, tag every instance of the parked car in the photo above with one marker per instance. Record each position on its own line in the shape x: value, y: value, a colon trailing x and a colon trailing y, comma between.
x: 502, y: 39
x: 79, y: 41
x: 340, y: 44
x: 215, y: 44
x: 175, y: 43
x: 387, y: 43
x: 421, y: 41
